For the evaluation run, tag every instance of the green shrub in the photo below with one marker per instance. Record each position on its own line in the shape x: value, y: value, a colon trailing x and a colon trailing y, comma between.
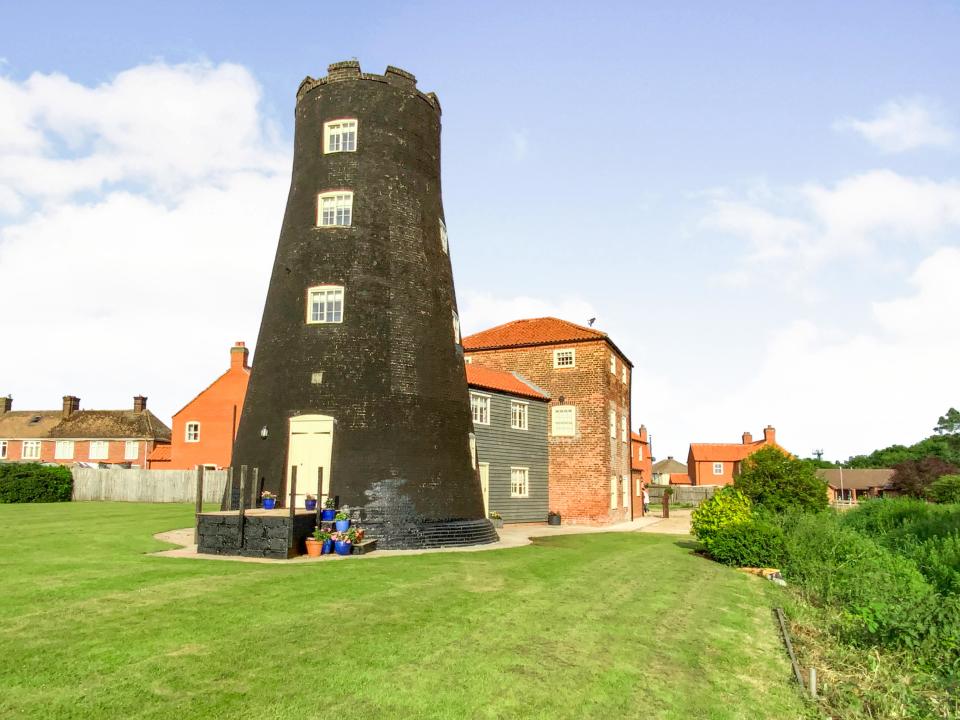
x: 754, y: 543
x: 727, y: 507
x: 945, y: 489
x: 774, y: 480
x: 34, y: 483
x: 938, y: 559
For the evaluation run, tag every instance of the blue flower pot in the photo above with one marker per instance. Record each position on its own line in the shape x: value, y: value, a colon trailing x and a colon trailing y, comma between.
x: 328, y: 514
x: 326, y: 547
x: 343, y: 547
x: 343, y: 525
x: 269, y: 503
x: 310, y: 504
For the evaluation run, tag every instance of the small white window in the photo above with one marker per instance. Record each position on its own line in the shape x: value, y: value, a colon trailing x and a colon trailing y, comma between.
x: 335, y: 209
x: 99, y: 449
x: 340, y: 136
x: 131, y: 450
x: 456, y: 327
x: 613, y: 363
x: 518, y: 415
x: 519, y: 482
x: 473, y: 451
x: 444, y: 241
x: 480, y: 406
x: 718, y: 468
x: 613, y: 424
x: 3, y: 448
x: 640, y: 451
x: 565, y: 358
x: 63, y: 450
x: 563, y: 420
x: 31, y: 450
x: 192, y: 432
x: 316, y: 378
x: 639, y: 488
x: 623, y: 428
x: 626, y: 491
x: 623, y: 373
x: 613, y: 492
x: 468, y: 360
x: 325, y: 304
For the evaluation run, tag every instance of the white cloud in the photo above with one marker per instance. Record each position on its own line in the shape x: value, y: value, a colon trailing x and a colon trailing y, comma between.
x: 142, y: 220
x: 481, y: 310
x: 902, y: 125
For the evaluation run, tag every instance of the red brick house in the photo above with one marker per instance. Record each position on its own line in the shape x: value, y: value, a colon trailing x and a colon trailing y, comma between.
x: 718, y: 463
x: 588, y: 379
x: 204, y: 429
x: 641, y: 464
x: 71, y: 435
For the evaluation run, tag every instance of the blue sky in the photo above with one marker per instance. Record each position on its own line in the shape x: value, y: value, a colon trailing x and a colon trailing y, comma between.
x: 759, y: 201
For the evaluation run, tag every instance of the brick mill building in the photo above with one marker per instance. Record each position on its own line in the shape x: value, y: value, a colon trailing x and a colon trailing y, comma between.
x: 588, y: 379
x: 71, y: 435
x: 205, y: 428
x: 719, y: 463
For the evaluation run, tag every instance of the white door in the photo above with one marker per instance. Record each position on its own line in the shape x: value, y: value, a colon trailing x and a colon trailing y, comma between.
x: 311, y: 443
x: 485, y: 486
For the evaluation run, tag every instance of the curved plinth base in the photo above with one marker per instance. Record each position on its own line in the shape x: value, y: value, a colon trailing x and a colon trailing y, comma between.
x: 432, y: 534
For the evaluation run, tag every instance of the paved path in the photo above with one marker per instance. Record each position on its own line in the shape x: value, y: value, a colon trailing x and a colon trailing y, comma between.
x: 677, y: 524
x: 510, y: 536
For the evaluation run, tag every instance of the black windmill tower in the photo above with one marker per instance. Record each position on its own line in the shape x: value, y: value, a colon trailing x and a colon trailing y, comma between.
x: 358, y: 378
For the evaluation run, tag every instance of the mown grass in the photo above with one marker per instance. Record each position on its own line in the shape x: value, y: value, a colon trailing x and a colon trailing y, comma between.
x: 93, y: 626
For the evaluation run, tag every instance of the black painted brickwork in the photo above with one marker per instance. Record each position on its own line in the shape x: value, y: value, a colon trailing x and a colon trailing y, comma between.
x: 392, y: 375
x: 263, y: 536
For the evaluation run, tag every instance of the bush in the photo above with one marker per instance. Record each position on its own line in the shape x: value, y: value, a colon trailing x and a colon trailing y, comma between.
x: 728, y: 506
x: 945, y: 490
x: 774, y: 480
x: 34, y: 483
x: 755, y: 543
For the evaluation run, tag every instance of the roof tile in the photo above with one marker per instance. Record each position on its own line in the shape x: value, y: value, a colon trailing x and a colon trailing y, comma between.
x: 487, y: 379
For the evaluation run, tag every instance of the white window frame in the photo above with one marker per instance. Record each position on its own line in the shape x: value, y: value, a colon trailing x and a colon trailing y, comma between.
x: 468, y: 359
x: 560, y: 358
x: 614, y: 492
x: 626, y: 491
x: 340, y: 208
x: 36, y: 450
x: 639, y: 452
x: 63, y: 450
x: 131, y: 445
x: 623, y: 373
x: 444, y: 238
x: 326, y: 311
x: 613, y: 424
x: 456, y: 328
x: 519, y: 415
x: 639, y: 492
x: 613, y: 364
x: 623, y: 428
x: 473, y: 450
x: 337, y: 132
x: 573, y: 420
x: 718, y: 468
x: 103, y: 445
x: 480, y: 408
x: 3, y: 448
x: 519, y: 482
x: 191, y: 437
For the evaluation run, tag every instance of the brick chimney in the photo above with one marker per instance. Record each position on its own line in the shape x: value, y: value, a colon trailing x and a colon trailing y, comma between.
x: 71, y: 403
x: 239, y: 355
x: 643, y: 433
x: 769, y: 435
x: 139, y: 403
x: 6, y: 404
x: 747, y: 438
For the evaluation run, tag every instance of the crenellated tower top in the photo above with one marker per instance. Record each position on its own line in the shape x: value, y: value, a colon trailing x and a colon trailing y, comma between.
x: 350, y: 70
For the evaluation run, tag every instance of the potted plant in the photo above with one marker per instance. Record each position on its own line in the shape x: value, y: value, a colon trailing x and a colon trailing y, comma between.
x: 269, y: 500
x: 553, y: 518
x: 342, y: 521
x: 342, y: 543
x: 329, y: 511
x: 496, y: 518
x: 310, y: 502
x: 319, y: 543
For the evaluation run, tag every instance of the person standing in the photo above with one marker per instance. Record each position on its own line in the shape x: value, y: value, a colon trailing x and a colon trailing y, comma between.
x: 646, y: 500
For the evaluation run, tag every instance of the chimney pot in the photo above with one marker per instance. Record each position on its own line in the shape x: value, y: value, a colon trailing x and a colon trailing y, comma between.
x: 71, y: 403
x: 139, y: 403
x: 747, y: 438
x: 6, y: 403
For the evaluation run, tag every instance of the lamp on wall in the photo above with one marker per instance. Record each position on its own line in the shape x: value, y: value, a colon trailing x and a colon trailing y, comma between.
x: 561, y: 399
x: 264, y: 433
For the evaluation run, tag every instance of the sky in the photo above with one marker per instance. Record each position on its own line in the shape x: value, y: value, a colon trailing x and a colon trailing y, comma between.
x: 759, y: 202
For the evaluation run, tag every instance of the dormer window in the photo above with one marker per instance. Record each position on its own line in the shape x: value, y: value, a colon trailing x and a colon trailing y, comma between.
x: 340, y: 136
x: 335, y: 209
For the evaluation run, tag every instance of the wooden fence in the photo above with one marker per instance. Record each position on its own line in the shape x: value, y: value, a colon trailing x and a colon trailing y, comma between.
x: 692, y: 494
x: 158, y: 486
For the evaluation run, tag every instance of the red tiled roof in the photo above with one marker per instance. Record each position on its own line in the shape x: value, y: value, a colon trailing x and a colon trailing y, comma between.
x: 160, y: 453
x: 535, y: 331
x: 487, y: 379
x: 731, y: 452
x: 679, y: 479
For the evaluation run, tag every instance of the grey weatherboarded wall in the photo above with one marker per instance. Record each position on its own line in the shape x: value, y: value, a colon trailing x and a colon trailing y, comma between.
x: 504, y: 447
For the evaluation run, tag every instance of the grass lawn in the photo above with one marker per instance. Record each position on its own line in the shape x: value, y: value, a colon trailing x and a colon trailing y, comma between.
x: 92, y: 627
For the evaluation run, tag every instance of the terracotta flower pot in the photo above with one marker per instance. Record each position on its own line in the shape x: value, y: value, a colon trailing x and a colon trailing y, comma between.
x: 313, y: 547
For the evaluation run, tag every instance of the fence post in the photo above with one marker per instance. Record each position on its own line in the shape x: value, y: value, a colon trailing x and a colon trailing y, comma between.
x: 321, y: 496
x: 241, y: 510
x: 199, y: 505
x: 292, y: 507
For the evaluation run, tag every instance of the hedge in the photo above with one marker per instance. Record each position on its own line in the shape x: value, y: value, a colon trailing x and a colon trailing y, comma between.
x: 34, y: 483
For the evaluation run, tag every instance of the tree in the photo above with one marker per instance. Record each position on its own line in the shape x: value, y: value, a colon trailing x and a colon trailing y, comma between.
x: 777, y: 481
x: 949, y: 423
x: 914, y: 477
x: 945, y: 489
